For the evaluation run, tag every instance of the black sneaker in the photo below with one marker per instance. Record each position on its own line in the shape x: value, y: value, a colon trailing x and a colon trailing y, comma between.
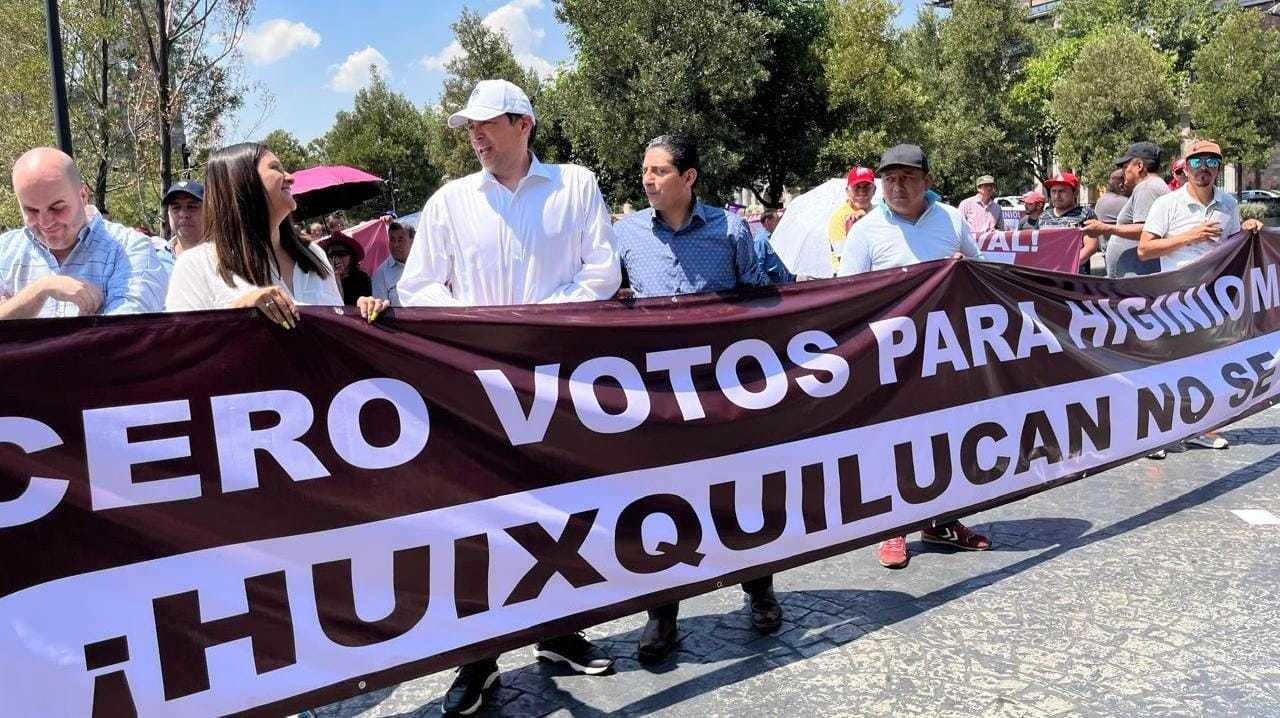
x: 576, y: 652
x: 766, y: 612
x: 469, y: 689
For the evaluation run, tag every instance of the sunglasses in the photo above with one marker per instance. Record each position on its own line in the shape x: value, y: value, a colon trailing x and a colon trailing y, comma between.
x: 1212, y: 163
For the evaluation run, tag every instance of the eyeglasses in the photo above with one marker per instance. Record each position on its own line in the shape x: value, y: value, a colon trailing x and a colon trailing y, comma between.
x: 1196, y: 163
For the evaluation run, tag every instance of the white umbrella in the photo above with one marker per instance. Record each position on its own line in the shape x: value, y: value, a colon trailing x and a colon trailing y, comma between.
x: 800, y: 239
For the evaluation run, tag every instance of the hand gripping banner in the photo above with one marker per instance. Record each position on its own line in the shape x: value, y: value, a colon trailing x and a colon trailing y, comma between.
x: 205, y: 514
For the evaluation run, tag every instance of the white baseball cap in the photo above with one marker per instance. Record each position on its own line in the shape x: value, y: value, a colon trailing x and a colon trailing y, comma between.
x: 490, y: 99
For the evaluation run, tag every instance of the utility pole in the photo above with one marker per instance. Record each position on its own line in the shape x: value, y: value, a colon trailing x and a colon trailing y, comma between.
x: 57, y: 76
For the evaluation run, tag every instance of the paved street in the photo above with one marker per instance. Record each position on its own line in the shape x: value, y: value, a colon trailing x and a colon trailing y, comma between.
x: 1134, y: 593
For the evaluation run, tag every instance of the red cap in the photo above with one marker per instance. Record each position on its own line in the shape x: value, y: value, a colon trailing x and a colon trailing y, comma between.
x: 1032, y: 197
x: 1204, y: 147
x: 858, y: 175
x: 1065, y: 178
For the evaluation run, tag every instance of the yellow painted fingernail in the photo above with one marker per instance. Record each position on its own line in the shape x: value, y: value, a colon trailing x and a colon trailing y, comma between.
x: 373, y: 317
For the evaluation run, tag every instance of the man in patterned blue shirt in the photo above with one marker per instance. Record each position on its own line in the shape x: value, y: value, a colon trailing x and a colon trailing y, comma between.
x: 682, y: 246
x: 64, y: 263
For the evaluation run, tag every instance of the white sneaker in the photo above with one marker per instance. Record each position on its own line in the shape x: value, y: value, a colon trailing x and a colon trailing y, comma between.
x: 1208, y: 441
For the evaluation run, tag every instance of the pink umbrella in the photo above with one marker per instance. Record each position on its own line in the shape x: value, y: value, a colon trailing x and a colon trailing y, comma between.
x: 332, y: 187
x: 374, y: 240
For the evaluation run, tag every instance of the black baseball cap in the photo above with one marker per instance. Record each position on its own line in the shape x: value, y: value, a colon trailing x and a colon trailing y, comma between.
x: 903, y: 156
x: 1146, y: 151
x: 187, y: 187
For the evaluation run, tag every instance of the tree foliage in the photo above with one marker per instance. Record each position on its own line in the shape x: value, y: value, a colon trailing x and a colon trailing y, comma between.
x: 787, y: 117
x: 293, y: 155
x: 120, y: 126
x: 1176, y: 27
x: 1102, y: 111
x: 971, y: 129
x: 657, y: 67
x: 486, y: 55
x: 1234, y: 98
x: 384, y: 134
x: 24, y: 93
x: 875, y: 88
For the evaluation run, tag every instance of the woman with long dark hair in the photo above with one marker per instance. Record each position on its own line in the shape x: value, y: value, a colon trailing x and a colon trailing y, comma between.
x: 252, y: 256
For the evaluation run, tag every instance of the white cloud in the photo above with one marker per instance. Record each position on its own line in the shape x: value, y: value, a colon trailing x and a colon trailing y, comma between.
x: 513, y: 21
x: 276, y: 39
x: 441, y: 59
x: 353, y: 73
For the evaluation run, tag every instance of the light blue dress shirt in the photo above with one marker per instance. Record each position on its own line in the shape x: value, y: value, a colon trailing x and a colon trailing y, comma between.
x: 119, y: 261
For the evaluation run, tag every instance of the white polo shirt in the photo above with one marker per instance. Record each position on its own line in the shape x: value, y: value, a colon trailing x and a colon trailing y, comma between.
x: 1179, y: 212
x: 883, y: 239
x: 480, y: 244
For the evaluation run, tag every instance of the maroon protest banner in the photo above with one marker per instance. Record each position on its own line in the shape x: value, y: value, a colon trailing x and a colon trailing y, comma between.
x: 206, y: 514
x: 1055, y: 249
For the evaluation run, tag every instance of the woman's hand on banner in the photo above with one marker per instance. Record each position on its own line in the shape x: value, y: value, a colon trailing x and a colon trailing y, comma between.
x: 273, y: 302
x: 1251, y: 226
x: 371, y: 307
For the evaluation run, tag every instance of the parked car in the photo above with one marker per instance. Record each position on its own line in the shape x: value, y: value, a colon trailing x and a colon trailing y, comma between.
x: 1011, y: 202
x: 1259, y: 195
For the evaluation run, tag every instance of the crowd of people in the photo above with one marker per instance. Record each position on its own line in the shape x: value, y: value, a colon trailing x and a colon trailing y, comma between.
x: 520, y: 231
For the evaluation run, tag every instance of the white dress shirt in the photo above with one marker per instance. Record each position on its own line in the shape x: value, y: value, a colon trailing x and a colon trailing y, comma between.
x: 196, y: 284
x: 883, y: 239
x: 1179, y: 212
x: 385, y: 278
x: 479, y: 243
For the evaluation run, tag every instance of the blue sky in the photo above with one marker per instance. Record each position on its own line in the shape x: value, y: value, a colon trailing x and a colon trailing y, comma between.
x: 310, y: 57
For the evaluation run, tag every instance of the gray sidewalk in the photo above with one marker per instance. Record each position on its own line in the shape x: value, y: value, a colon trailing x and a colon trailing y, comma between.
x: 1134, y: 593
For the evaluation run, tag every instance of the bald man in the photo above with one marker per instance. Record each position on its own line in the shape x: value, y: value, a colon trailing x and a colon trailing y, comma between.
x: 64, y: 263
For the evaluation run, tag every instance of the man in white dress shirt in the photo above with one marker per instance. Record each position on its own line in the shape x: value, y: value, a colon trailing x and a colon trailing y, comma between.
x: 516, y: 232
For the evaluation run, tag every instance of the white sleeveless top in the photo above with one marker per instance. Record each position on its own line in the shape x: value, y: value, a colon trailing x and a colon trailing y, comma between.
x: 196, y: 285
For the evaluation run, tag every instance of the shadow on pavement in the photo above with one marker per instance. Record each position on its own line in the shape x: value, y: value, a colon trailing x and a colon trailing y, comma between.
x: 818, y: 621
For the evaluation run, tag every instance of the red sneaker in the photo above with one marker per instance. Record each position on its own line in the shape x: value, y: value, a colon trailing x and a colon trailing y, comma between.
x: 956, y: 535
x: 893, y: 553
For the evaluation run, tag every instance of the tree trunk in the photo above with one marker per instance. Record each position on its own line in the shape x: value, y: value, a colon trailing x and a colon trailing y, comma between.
x: 104, y: 123
x: 166, y: 141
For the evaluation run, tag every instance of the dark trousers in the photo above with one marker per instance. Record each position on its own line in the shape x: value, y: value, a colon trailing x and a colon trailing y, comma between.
x: 752, y: 587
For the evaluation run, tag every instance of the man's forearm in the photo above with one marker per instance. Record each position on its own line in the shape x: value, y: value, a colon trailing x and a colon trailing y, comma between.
x: 25, y: 304
x: 1088, y: 246
x: 1126, y: 231
x: 1151, y: 247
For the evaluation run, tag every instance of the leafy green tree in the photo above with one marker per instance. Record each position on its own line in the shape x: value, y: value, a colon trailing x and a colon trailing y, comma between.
x: 24, y: 93
x: 1233, y: 97
x: 650, y: 67
x: 290, y: 151
x: 786, y: 120
x: 1178, y: 27
x: 486, y: 55
x: 876, y: 98
x: 1101, y: 111
x: 971, y: 130
x: 1031, y: 99
x: 129, y: 83
x: 384, y: 134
